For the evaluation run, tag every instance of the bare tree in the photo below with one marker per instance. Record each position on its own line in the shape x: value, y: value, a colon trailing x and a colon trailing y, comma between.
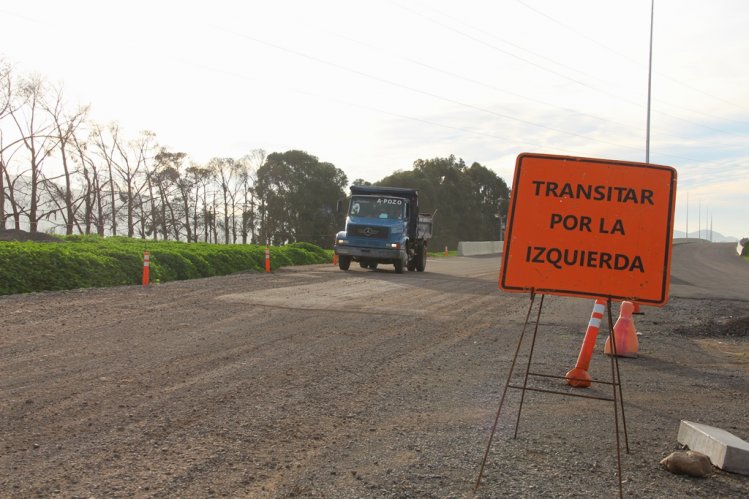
x: 93, y: 205
x: 6, y: 92
x: 106, y: 147
x: 165, y: 177
x: 129, y: 164
x: 171, y: 169
x: 10, y: 183
x: 35, y: 133
x: 64, y: 128
x: 225, y: 170
x: 196, y: 177
x: 247, y: 178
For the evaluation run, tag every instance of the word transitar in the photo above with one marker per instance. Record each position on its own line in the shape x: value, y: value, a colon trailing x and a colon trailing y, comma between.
x: 594, y: 192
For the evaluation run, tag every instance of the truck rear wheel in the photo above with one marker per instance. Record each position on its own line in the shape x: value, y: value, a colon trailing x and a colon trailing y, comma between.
x: 344, y: 262
x: 421, y: 259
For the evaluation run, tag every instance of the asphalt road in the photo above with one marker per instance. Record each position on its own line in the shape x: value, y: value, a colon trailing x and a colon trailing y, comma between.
x: 708, y: 270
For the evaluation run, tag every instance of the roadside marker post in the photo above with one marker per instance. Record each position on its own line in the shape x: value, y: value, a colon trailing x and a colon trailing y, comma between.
x: 267, y: 259
x: 146, y: 268
x: 592, y: 228
x: 447, y: 253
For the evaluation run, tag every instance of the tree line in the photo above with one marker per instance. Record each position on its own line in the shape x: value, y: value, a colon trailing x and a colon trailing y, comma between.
x: 61, y: 170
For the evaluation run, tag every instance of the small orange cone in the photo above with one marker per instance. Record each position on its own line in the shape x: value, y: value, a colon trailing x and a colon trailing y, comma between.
x: 579, y: 376
x: 267, y: 259
x: 446, y: 252
x: 625, y: 333
x: 146, y: 268
x: 636, y: 310
x: 335, y: 258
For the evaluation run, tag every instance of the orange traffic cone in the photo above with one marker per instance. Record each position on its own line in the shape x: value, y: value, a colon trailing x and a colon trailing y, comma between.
x: 447, y: 253
x: 335, y: 258
x: 579, y: 377
x: 146, y: 268
x: 625, y: 333
x: 267, y: 259
x: 636, y: 310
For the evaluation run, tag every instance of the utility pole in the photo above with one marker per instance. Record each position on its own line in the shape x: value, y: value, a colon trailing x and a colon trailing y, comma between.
x: 707, y: 213
x: 650, y: 73
x: 699, y: 220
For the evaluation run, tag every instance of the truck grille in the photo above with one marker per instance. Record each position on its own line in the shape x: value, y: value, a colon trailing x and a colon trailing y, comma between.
x: 370, y: 231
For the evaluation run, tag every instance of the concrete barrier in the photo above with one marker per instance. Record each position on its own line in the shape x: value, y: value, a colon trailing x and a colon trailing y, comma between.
x: 474, y: 248
x: 725, y: 450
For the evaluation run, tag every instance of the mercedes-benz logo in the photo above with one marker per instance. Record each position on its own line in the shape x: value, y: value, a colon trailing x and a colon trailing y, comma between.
x: 369, y: 231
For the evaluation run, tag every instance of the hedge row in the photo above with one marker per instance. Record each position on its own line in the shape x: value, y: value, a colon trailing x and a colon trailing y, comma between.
x: 90, y: 261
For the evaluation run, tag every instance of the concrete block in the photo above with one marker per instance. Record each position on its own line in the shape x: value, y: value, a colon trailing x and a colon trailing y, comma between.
x: 474, y: 248
x: 725, y: 450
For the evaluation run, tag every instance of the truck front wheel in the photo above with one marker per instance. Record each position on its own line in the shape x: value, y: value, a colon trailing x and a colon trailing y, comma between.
x: 401, y: 263
x: 344, y: 262
x: 399, y: 266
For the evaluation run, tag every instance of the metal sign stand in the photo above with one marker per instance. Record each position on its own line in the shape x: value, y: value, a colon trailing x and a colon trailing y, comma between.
x: 615, y: 384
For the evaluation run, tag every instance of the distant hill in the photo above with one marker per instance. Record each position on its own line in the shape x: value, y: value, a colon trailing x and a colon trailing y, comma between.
x: 717, y: 237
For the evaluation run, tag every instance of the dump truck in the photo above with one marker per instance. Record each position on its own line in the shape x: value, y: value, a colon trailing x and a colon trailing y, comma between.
x: 384, y: 226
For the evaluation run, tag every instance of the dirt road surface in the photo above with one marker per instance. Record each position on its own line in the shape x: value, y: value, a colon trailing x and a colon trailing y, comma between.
x: 314, y: 382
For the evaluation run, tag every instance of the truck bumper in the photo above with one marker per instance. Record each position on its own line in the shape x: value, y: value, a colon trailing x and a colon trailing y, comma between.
x: 374, y: 253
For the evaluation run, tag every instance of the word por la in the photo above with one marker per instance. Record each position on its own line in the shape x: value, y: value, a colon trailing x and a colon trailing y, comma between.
x: 582, y: 223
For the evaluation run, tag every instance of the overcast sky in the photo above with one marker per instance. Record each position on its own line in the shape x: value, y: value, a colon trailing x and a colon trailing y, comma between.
x: 373, y: 86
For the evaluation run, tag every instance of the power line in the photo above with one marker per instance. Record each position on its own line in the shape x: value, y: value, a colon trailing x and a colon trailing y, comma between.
x: 638, y: 63
x: 492, y: 87
x: 366, y: 107
x: 432, y: 95
x: 499, y: 49
x: 551, y: 71
x: 424, y: 92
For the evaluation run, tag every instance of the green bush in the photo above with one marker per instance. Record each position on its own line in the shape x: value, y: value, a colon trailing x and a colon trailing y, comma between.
x: 322, y: 256
x: 91, y: 261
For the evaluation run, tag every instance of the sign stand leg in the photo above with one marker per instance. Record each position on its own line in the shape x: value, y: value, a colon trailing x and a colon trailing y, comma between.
x: 617, y: 378
x: 504, y: 393
x: 617, y: 399
x: 528, y: 367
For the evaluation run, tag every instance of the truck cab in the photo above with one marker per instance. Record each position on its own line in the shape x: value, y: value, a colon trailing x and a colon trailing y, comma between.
x: 383, y: 226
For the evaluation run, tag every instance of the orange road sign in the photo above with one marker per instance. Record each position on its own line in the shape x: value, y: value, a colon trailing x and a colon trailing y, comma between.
x: 590, y: 227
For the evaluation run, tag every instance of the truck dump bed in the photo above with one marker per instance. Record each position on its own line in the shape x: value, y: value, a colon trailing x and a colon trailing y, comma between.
x: 424, y: 229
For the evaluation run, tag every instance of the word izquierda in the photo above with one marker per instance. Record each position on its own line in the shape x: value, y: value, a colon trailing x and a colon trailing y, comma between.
x: 561, y: 258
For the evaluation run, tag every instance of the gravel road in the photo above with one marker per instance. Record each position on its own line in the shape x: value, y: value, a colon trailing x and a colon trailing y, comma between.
x: 314, y: 382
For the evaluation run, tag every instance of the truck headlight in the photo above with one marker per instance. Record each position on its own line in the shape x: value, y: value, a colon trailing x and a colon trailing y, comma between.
x: 395, y: 245
x: 342, y: 241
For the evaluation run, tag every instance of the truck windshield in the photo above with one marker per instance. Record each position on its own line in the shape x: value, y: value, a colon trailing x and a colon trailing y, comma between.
x: 378, y: 207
